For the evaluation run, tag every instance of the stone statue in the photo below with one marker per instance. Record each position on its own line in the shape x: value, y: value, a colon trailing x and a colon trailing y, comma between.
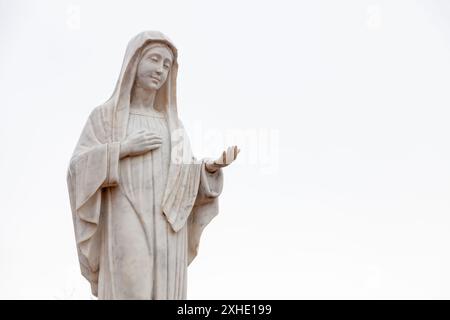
x: 139, y: 198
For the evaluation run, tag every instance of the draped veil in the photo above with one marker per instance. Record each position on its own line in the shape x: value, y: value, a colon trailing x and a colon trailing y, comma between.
x: 189, y: 198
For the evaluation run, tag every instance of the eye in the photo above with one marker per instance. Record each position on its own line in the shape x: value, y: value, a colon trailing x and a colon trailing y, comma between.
x: 166, y: 66
x: 154, y: 59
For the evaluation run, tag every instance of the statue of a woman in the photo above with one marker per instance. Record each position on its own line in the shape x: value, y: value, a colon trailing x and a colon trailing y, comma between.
x: 139, y: 198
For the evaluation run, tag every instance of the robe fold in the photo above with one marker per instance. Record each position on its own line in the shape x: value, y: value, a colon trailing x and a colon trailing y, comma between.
x: 138, y: 220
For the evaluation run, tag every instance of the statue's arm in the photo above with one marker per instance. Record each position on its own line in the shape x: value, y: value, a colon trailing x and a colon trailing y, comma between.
x: 94, y: 163
x: 113, y: 157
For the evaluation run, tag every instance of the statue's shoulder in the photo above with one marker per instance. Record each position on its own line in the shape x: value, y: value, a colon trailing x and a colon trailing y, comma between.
x: 102, y: 114
x: 101, y: 120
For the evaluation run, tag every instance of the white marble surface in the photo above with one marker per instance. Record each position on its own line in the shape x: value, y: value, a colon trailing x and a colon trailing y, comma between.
x: 139, y: 198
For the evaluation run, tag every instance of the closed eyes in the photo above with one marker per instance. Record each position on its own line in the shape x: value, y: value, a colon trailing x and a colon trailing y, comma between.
x: 156, y: 59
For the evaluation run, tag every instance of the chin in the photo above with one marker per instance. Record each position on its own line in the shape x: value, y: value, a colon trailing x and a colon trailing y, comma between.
x: 153, y: 86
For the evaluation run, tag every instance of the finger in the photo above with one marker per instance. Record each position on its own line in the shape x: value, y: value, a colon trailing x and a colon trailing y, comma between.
x: 150, y: 148
x: 152, y: 144
x: 152, y: 135
x: 234, y: 152
x: 156, y: 146
x: 153, y: 139
x: 230, y: 155
x: 227, y: 156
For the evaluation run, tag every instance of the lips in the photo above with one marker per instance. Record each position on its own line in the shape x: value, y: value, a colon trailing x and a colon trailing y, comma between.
x: 155, y: 78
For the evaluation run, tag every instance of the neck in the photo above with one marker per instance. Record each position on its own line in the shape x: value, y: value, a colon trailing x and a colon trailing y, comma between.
x: 142, y: 99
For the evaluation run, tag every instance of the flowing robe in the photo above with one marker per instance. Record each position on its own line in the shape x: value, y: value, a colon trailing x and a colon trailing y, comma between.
x: 126, y: 246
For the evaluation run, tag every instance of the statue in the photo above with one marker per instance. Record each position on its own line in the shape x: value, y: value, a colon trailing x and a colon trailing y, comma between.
x: 139, y: 198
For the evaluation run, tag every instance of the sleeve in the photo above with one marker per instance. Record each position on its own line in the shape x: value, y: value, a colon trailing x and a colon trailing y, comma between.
x: 94, y: 166
x: 206, y: 207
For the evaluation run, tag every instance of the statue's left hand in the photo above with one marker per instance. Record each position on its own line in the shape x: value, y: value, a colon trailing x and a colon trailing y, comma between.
x: 226, y: 158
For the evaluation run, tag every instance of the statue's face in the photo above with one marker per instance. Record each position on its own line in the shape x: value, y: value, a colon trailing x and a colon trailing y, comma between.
x: 153, y: 68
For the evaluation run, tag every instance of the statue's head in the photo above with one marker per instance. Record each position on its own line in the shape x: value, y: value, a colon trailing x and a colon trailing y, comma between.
x: 154, y: 66
x: 150, y: 64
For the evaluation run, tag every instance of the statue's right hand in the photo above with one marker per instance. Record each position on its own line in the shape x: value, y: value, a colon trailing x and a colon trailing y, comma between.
x: 139, y: 143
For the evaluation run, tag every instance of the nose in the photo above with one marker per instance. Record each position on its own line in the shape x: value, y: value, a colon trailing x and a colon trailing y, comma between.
x: 159, y: 70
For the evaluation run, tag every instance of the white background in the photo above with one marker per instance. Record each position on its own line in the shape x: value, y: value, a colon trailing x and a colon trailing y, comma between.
x: 356, y: 203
